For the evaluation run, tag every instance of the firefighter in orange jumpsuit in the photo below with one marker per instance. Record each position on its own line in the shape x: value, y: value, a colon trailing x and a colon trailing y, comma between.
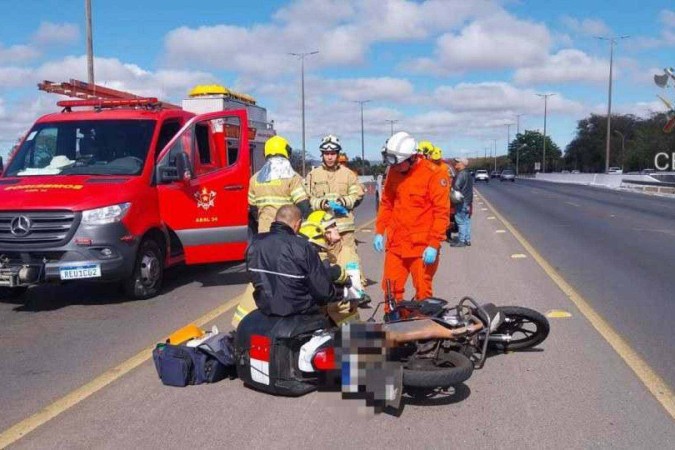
x: 414, y: 214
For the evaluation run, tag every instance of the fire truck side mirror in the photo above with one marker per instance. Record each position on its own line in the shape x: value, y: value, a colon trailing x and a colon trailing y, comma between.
x: 179, y: 171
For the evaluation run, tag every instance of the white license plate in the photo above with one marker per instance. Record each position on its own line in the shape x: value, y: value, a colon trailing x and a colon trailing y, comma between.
x: 80, y: 272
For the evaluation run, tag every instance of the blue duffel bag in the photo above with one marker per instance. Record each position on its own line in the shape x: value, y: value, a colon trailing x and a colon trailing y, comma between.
x: 211, y: 361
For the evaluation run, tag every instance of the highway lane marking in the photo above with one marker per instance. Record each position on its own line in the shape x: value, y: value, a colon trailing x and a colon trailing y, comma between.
x: 22, y: 428
x: 518, y: 256
x: 558, y: 314
x: 573, y: 204
x: 500, y: 231
x: 652, y: 381
x: 483, y: 209
x: 491, y: 218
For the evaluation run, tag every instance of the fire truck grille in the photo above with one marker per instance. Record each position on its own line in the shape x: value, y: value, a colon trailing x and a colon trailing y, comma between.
x: 34, y: 229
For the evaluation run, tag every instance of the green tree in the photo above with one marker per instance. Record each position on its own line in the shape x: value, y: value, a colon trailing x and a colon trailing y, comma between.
x: 528, y: 147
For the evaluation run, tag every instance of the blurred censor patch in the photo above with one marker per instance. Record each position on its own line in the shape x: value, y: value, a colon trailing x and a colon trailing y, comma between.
x: 366, y: 369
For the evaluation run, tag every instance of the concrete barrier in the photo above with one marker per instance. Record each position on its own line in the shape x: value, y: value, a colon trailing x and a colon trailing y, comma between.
x: 612, y: 181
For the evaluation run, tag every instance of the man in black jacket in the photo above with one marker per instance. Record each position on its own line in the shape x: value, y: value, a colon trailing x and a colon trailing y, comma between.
x: 463, y: 183
x: 286, y: 271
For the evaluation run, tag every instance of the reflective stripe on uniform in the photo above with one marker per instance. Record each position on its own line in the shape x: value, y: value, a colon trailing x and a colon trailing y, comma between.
x: 287, y: 275
x: 272, y: 200
x: 299, y: 194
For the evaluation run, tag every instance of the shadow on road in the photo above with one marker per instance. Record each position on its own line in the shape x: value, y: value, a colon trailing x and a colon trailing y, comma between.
x: 53, y: 297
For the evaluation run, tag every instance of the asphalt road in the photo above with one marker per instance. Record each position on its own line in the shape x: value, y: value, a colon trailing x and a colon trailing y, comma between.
x: 58, y: 338
x: 616, y: 248
x: 572, y: 392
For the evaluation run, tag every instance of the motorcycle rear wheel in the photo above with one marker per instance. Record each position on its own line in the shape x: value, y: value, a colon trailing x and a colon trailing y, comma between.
x: 528, y: 327
x: 449, y: 369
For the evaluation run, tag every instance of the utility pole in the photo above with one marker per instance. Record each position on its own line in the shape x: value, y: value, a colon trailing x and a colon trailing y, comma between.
x: 302, y: 56
x: 90, y: 43
x: 363, y: 152
x: 543, y: 162
x: 391, y: 122
x: 612, y: 43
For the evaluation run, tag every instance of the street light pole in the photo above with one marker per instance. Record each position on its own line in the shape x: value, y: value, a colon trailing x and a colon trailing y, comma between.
x: 90, y: 42
x: 545, y: 96
x: 495, y: 144
x: 612, y: 43
x: 391, y: 122
x: 518, y: 122
x: 302, y: 56
x: 623, y: 141
x: 508, y: 137
x: 363, y: 152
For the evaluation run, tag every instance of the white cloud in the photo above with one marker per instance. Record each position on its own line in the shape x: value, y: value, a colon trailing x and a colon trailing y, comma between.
x: 667, y: 18
x: 568, y: 65
x: 165, y: 84
x: 588, y: 27
x: 49, y: 34
x: 17, y: 54
x: 496, y: 42
x: 13, y: 76
x: 500, y: 99
x: 343, y: 31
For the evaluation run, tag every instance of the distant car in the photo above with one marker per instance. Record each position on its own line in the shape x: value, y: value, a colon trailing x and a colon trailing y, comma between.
x: 615, y: 170
x: 482, y: 175
x: 494, y: 174
x: 575, y: 171
x: 565, y: 171
x: 507, y: 175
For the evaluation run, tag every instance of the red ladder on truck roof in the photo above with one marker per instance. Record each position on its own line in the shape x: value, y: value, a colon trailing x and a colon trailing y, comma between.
x: 86, y: 91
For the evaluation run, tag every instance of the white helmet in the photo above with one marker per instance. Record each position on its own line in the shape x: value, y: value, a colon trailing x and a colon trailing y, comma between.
x: 330, y: 143
x: 398, y: 148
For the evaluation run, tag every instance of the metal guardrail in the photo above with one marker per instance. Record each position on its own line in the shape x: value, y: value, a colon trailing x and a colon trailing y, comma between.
x: 650, y: 183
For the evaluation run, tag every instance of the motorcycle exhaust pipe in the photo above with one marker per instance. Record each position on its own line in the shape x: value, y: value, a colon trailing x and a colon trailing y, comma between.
x: 500, y: 338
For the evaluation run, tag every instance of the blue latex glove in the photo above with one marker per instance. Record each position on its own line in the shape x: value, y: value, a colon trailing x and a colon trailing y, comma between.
x: 429, y: 255
x: 378, y: 243
x: 338, y: 209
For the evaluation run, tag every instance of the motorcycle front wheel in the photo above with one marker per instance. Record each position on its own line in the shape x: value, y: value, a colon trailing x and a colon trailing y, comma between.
x: 448, y: 369
x: 526, y: 327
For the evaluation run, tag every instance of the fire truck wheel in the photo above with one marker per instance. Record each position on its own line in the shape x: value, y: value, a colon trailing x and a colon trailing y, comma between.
x: 146, y: 280
x: 12, y: 293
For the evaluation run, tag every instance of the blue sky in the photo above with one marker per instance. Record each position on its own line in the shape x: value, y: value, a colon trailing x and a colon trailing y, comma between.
x: 451, y: 71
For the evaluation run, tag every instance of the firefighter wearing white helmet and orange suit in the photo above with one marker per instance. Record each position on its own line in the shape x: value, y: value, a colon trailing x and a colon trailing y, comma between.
x: 413, y: 217
x: 276, y: 184
x: 334, y: 187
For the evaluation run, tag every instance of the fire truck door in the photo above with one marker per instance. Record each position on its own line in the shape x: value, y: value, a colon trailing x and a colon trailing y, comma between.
x: 207, y: 207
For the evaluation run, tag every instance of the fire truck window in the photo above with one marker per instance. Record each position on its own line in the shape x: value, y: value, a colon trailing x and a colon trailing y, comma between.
x: 202, y: 141
x: 232, y: 151
x: 168, y: 130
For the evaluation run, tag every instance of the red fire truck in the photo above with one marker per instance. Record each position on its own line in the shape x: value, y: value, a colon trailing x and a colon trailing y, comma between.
x: 117, y: 187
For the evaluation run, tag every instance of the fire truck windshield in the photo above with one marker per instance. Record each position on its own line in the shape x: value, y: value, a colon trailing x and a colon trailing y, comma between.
x: 91, y: 147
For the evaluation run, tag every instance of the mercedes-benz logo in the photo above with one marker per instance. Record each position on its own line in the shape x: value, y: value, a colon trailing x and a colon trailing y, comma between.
x: 20, y: 226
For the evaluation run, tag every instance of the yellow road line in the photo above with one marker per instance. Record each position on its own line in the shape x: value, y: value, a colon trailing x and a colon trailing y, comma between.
x: 654, y: 383
x: 19, y: 430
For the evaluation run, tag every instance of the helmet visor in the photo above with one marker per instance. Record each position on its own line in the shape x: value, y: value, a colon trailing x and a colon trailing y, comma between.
x: 388, y: 159
x: 330, y: 147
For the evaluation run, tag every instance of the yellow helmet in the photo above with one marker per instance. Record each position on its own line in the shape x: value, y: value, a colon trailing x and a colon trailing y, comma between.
x: 314, y: 234
x: 320, y: 219
x: 276, y: 145
x: 425, y: 147
x: 436, y: 154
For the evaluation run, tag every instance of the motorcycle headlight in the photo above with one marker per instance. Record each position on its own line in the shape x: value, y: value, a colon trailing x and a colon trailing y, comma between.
x: 107, y: 214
